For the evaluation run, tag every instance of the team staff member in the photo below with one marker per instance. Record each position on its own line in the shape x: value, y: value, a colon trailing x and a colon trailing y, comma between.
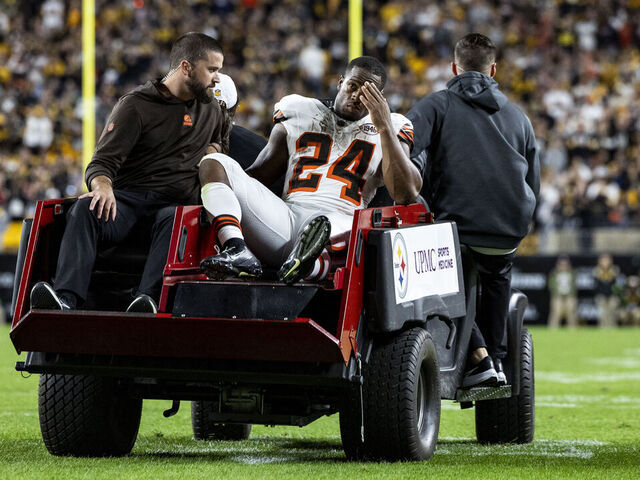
x: 144, y: 165
x: 481, y: 170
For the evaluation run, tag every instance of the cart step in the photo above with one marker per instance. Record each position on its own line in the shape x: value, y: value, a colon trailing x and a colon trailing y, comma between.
x: 483, y: 393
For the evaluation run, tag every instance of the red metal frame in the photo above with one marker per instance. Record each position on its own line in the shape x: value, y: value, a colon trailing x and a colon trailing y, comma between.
x: 45, y: 213
x: 352, y: 294
x: 164, y: 335
x: 161, y: 335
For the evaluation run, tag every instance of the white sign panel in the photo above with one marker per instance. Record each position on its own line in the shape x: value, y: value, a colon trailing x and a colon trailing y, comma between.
x: 424, y: 262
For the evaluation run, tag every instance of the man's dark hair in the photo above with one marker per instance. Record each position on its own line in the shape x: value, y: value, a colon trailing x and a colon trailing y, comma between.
x: 475, y: 52
x: 192, y: 46
x: 371, y: 64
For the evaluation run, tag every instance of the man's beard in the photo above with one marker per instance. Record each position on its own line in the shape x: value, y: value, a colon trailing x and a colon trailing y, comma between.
x: 199, y: 91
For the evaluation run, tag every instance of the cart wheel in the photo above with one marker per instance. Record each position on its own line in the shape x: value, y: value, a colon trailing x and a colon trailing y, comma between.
x: 205, y: 427
x: 85, y: 416
x: 401, y: 396
x: 511, y: 420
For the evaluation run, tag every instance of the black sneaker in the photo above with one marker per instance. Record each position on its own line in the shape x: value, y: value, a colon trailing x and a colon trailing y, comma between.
x: 143, y: 304
x: 482, y: 374
x: 233, y: 261
x: 502, y: 378
x: 44, y: 297
x: 308, y: 247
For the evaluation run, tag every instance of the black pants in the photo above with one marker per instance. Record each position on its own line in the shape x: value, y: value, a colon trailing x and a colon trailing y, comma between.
x: 490, y: 329
x: 84, y: 232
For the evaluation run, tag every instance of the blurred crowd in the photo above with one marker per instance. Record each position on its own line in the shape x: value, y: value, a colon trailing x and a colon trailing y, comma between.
x: 616, y: 296
x: 572, y: 65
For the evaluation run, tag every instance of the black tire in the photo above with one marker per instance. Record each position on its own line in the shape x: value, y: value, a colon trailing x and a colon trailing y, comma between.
x: 205, y: 426
x: 401, y: 395
x: 511, y: 420
x: 85, y: 416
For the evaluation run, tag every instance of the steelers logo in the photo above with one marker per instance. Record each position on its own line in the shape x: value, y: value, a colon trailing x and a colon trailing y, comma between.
x: 400, y: 265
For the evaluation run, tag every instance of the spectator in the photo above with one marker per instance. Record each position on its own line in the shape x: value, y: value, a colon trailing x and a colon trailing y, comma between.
x: 564, y: 300
x: 38, y: 130
x: 52, y: 17
x: 607, y: 293
x: 630, y: 311
x: 312, y: 65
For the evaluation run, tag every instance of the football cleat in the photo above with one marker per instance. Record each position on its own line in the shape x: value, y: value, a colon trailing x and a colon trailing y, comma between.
x: 308, y: 247
x: 44, y: 297
x: 482, y: 374
x: 143, y: 304
x: 232, y: 262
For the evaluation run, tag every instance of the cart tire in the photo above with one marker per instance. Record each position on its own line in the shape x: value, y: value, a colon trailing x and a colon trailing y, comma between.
x: 401, y: 396
x: 206, y: 428
x: 86, y: 416
x: 511, y: 420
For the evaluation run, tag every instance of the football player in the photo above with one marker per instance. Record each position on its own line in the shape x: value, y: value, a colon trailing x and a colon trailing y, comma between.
x: 333, y: 157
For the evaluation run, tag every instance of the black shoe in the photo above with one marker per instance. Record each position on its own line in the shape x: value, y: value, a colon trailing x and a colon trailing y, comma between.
x: 482, y: 374
x: 502, y: 378
x: 143, y: 304
x: 232, y: 261
x: 44, y: 297
x: 307, y: 249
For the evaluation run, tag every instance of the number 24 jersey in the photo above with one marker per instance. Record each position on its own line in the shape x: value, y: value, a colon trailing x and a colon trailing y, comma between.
x: 334, y: 164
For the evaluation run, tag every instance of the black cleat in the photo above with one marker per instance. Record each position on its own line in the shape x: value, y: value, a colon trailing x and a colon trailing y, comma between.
x: 232, y: 262
x: 502, y: 378
x: 44, y: 297
x: 482, y: 374
x: 143, y: 304
x: 308, y: 247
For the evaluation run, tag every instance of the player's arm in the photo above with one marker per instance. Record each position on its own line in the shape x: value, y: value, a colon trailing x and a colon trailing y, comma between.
x: 271, y: 163
x: 401, y: 177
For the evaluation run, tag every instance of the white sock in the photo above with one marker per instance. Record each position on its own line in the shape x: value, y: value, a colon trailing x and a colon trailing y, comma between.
x: 220, y: 201
x: 321, y: 267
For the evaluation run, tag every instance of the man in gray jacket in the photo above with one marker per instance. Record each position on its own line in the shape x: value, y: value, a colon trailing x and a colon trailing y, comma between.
x: 481, y: 170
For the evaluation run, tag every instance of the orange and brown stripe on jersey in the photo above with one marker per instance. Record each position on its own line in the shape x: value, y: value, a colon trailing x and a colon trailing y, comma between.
x: 406, y: 134
x: 278, y: 116
x: 224, y: 221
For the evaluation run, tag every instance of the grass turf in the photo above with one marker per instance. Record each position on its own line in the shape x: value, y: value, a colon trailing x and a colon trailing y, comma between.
x: 587, y: 426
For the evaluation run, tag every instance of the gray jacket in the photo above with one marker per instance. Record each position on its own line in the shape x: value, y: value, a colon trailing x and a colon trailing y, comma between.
x: 477, y: 152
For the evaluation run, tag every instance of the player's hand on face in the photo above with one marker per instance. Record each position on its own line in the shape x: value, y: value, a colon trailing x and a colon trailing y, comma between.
x: 376, y: 104
x: 103, y: 201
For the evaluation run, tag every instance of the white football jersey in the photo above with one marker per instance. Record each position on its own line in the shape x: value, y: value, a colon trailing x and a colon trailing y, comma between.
x: 333, y: 163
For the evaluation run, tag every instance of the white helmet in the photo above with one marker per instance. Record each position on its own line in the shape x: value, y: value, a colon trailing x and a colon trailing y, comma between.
x: 225, y: 91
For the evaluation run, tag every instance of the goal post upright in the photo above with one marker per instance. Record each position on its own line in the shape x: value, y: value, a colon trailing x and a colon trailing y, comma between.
x: 88, y: 81
x: 355, y: 29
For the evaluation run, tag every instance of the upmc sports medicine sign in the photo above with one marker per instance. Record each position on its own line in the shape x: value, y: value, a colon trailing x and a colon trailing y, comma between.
x: 424, y: 262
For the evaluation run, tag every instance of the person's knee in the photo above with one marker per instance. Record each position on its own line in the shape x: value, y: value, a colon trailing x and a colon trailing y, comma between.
x: 166, y: 213
x: 211, y: 170
x: 80, y: 211
x: 164, y: 218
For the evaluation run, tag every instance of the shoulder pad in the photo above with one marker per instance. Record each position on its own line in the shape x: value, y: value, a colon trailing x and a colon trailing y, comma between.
x: 404, y: 128
x: 291, y: 106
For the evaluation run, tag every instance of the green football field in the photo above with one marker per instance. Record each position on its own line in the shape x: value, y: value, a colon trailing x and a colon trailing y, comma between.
x: 587, y: 426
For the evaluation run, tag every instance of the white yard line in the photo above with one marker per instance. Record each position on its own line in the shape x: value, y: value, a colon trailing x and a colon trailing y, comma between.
x: 582, y: 449
x: 620, y: 362
x: 562, y: 377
